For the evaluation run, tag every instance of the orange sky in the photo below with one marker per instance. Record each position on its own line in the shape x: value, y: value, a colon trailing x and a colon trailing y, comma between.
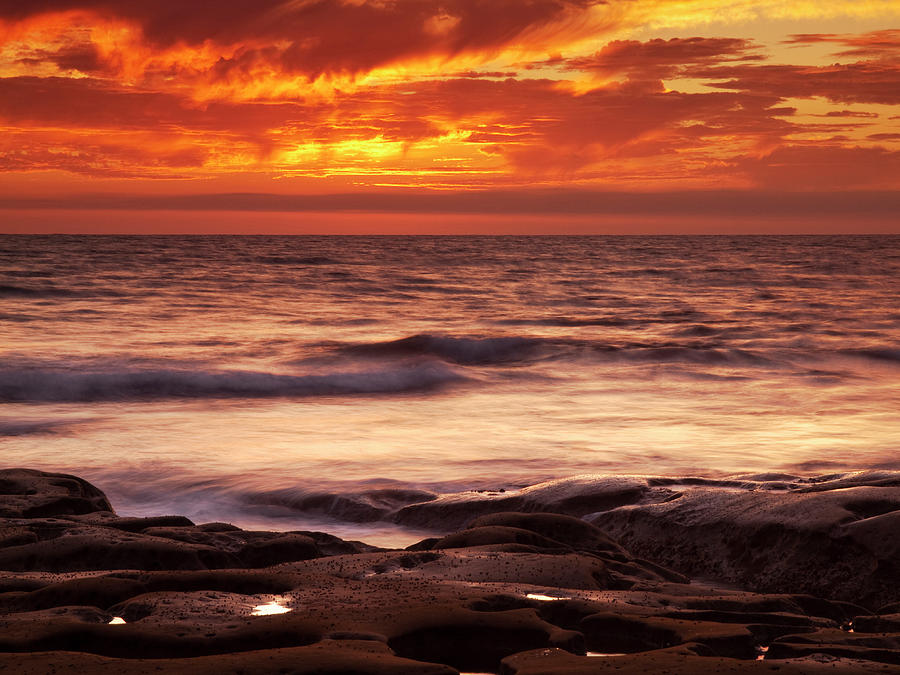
x: 575, y: 115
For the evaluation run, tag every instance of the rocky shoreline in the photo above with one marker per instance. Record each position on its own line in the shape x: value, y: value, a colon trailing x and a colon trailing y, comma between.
x: 584, y: 575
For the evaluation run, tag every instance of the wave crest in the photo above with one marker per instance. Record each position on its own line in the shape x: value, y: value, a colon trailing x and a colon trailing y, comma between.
x: 459, y: 350
x: 59, y: 385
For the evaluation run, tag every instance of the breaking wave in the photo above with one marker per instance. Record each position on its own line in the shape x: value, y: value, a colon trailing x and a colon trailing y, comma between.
x: 507, y: 350
x: 459, y: 350
x: 56, y: 384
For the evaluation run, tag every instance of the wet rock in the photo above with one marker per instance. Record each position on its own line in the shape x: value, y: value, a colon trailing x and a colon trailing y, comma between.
x: 329, y: 657
x: 266, y: 551
x: 85, y: 549
x: 496, y: 534
x: 567, y: 530
x: 878, y: 647
x: 827, y: 543
x: 136, y: 524
x: 479, y: 641
x: 884, y: 623
x: 26, y: 493
x: 100, y: 592
x: 480, y: 599
x: 357, y: 507
x: 606, y: 632
x: 685, y: 660
x: 578, y: 496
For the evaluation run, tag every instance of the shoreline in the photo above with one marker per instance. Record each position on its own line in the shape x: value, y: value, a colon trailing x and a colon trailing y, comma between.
x: 400, y: 515
x: 526, y: 582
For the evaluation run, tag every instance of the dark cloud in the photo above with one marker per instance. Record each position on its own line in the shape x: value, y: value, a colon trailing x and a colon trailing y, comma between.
x: 862, y: 82
x: 151, y: 113
x: 82, y: 57
x: 824, y: 167
x: 315, y: 37
x: 881, y: 45
x: 569, y: 201
x: 663, y: 58
x: 850, y: 113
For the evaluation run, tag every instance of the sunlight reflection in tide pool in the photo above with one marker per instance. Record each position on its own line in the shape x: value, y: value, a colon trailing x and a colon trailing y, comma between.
x: 543, y: 598
x: 269, y: 609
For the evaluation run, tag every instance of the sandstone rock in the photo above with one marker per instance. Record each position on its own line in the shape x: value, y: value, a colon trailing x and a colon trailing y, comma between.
x: 837, y: 544
x: 26, y: 493
x: 480, y: 599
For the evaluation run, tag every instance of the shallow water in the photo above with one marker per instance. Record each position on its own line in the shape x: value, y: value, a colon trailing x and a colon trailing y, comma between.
x: 234, y: 378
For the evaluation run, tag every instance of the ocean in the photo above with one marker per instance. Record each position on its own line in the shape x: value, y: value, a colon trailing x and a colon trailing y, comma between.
x: 273, y: 381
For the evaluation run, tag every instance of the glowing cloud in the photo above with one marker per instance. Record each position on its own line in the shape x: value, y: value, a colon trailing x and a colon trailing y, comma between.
x: 325, y: 96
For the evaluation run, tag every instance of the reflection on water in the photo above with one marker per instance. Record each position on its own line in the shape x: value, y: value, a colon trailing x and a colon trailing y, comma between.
x: 544, y: 598
x: 192, y: 375
x: 270, y: 608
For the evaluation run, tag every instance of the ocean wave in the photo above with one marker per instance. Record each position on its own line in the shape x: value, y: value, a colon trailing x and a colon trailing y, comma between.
x: 891, y: 354
x: 56, y: 384
x: 713, y: 355
x: 569, y: 322
x: 29, y: 292
x: 9, y: 291
x: 459, y: 350
x: 355, y: 506
x: 508, y: 350
x: 33, y: 427
x: 295, y: 260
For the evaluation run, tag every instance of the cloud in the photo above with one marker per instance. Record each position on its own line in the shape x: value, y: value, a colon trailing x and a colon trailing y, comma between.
x: 825, y: 167
x: 874, y: 78
x: 236, y: 40
x: 660, y: 59
x: 449, y: 93
x: 853, y: 83
x: 778, y: 202
x: 881, y: 45
x: 851, y: 113
x: 534, y: 126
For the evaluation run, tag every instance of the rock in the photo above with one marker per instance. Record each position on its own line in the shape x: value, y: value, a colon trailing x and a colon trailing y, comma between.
x: 329, y: 657
x: 878, y: 647
x: 136, y: 524
x: 685, y: 660
x: 837, y: 544
x: 477, y: 641
x: 271, y: 550
x: 525, y: 592
x: 358, y: 507
x: 609, y: 632
x: 496, y: 534
x: 578, y: 496
x: 26, y: 493
x: 884, y: 623
x: 567, y: 530
x: 108, y: 549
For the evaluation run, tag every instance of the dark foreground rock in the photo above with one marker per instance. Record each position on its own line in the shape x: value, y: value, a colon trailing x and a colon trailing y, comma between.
x: 85, y: 591
x: 833, y: 536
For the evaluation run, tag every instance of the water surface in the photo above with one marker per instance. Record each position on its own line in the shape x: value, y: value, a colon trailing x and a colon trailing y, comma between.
x: 231, y: 378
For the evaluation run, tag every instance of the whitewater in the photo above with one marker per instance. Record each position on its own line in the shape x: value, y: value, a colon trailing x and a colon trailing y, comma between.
x: 318, y: 382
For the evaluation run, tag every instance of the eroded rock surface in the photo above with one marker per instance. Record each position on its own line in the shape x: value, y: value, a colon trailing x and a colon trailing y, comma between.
x: 833, y: 536
x: 519, y: 593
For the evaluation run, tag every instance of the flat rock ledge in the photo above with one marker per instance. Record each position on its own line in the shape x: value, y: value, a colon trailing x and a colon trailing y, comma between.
x: 518, y: 591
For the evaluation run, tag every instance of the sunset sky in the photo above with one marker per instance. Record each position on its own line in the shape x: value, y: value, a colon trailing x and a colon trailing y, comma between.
x: 449, y: 115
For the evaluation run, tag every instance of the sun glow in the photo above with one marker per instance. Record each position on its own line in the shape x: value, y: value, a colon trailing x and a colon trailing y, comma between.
x: 618, y: 95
